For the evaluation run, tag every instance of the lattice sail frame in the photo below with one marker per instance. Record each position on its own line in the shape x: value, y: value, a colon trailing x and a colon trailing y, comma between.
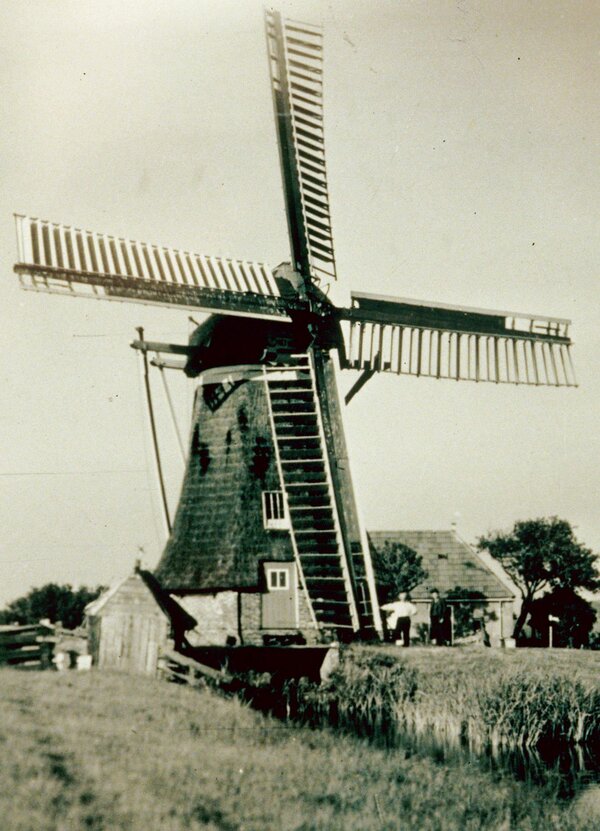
x: 383, y: 335
x: 296, y: 64
x: 61, y: 259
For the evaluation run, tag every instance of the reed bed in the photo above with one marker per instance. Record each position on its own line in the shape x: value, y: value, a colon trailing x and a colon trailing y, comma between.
x: 481, y: 702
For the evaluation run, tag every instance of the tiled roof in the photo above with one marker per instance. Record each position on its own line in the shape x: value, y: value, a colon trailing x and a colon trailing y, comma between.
x: 449, y: 561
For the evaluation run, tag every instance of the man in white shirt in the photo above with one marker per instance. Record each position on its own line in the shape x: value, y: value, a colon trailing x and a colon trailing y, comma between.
x: 399, y: 614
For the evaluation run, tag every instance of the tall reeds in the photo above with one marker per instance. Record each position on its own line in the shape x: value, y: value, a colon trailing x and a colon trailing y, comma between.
x: 379, y: 695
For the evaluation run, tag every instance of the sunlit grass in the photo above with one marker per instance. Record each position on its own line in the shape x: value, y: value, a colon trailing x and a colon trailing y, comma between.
x: 111, y: 752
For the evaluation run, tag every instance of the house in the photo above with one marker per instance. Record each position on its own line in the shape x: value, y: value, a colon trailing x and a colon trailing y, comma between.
x: 131, y: 622
x: 450, y: 563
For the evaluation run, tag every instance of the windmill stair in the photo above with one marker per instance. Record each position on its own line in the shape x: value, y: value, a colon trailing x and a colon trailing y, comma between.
x: 303, y: 465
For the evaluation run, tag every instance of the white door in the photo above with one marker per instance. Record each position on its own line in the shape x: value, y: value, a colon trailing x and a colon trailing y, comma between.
x: 279, y: 598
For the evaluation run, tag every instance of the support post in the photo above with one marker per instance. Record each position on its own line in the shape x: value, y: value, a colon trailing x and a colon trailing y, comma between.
x: 152, y: 423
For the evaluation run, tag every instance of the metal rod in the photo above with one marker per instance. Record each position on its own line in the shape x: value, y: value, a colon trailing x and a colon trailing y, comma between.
x: 172, y: 412
x: 151, y: 420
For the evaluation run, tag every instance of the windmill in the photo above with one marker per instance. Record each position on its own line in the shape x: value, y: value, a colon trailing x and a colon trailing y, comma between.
x: 267, y: 534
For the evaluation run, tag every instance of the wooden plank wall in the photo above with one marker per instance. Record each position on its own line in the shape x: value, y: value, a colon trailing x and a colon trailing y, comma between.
x: 130, y: 641
x: 128, y: 631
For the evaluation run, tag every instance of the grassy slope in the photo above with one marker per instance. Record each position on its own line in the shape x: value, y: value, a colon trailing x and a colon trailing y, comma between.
x: 100, y: 751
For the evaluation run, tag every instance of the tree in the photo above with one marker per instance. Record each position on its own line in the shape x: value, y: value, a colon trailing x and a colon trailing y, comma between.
x: 397, y: 568
x: 468, y: 606
x: 53, y: 602
x: 575, y: 618
x: 539, y: 554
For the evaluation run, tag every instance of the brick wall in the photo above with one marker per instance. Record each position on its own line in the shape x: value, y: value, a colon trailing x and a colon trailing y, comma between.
x: 217, y: 616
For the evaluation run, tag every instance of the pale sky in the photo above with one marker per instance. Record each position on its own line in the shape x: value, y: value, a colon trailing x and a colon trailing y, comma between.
x: 463, y: 161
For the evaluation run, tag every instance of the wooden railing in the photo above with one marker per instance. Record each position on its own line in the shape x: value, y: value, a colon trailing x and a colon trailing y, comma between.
x: 29, y: 647
x: 184, y: 670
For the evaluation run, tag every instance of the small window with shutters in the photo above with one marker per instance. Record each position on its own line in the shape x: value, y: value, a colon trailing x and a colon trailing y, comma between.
x: 275, y: 516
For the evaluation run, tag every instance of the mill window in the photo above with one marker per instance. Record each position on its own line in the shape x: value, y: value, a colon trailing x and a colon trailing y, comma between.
x: 277, y: 579
x: 274, y: 512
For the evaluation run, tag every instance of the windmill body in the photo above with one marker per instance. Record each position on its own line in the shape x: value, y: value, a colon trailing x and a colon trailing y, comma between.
x: 267, y: 528
x: 267, y: 540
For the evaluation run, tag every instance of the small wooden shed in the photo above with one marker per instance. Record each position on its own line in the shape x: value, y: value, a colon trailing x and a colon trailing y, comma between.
x: 131, y: 622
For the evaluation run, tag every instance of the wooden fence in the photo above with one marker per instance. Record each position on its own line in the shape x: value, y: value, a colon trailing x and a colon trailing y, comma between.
x: 29, y: 647
x: 184, y: 670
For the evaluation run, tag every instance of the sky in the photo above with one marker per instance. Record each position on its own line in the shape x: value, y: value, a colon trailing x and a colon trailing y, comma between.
x: 462, y: 150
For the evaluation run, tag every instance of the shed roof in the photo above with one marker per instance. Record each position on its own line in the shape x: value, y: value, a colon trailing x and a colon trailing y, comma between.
x: 449, y: 561
x: 131, y: 585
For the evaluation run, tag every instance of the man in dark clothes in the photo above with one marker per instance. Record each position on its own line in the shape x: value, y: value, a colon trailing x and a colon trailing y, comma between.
x: 439, y: 620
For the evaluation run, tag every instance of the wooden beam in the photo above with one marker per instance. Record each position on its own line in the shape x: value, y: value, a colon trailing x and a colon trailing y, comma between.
x: 117, y: 287
x: 183, y: 661
x: 170, y: 348
x: 358, y: 384
x: 166, y: 363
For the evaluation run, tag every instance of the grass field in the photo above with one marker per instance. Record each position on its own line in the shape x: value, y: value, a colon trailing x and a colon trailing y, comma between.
x: 584, y: 664
x: 109, y: 752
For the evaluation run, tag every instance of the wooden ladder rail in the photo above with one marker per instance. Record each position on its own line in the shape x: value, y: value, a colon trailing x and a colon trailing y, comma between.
x: 303, y: 365
x: 285, y: 496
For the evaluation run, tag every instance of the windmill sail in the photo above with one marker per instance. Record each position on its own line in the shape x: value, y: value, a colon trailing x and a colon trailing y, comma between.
x: 432, y: 340
x: 59, y: 259
x: 296, y: 64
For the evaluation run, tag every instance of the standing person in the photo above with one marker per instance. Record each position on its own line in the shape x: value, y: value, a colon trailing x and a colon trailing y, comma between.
x: 399, y: 615
x: 439, y: 620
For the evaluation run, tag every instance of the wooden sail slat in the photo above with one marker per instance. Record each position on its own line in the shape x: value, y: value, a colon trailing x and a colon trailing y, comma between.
x: 457, y: 355
x: 57, y: 258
